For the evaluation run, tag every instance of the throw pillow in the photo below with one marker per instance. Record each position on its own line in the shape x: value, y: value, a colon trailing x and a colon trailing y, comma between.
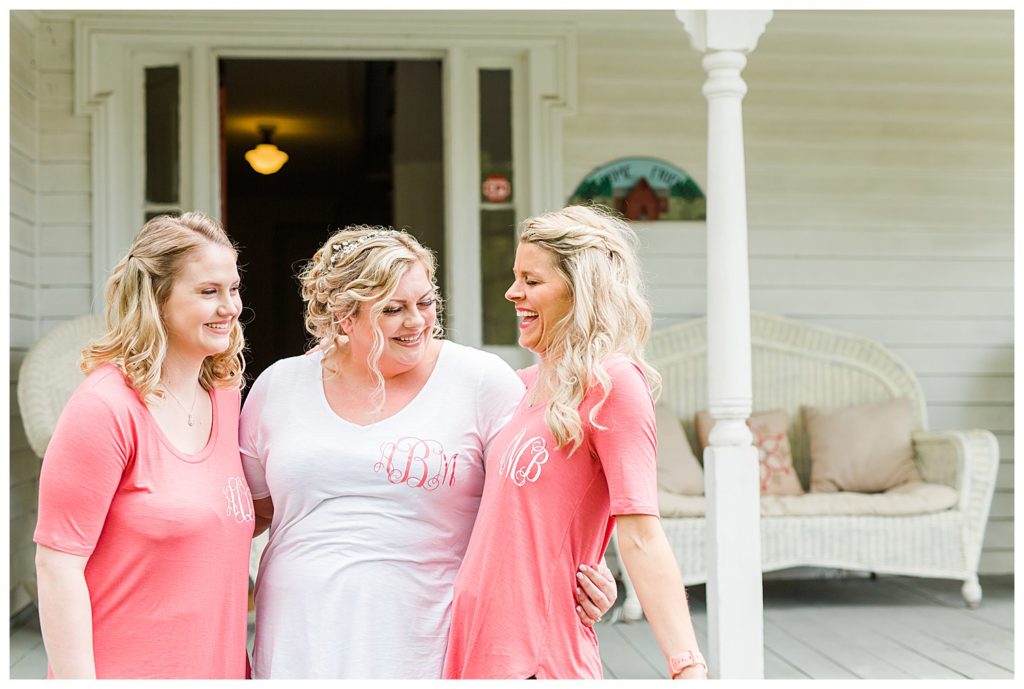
x: 678, y: 469
x: 778, y: 477
x: 863, y: 449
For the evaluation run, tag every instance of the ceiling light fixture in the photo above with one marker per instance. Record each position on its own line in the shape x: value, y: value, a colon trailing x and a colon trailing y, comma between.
x: 266, y: 158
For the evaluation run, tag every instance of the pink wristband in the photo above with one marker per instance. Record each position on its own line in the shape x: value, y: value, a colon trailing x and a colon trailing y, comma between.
x: 681, y: 661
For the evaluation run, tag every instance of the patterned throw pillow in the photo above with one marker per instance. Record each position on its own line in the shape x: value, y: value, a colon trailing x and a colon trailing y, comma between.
x: 778, y: 477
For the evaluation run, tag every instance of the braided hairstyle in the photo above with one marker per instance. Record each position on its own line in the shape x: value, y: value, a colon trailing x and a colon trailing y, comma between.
x: 360, y: 267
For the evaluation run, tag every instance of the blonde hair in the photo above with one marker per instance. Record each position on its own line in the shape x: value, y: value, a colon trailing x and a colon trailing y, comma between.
x: 595, y: 255
x: 361, y: 265
x: 136, y: 340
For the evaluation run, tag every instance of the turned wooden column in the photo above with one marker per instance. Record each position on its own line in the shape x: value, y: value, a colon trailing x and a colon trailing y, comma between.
x: 731, y: 473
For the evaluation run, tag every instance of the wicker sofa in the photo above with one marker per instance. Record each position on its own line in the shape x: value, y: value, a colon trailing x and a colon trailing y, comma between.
x: 797, y: 364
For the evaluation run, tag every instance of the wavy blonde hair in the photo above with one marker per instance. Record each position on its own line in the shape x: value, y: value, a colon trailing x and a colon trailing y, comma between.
x: 595, y: 254
x: 136, y: 340
x: 360, y: 267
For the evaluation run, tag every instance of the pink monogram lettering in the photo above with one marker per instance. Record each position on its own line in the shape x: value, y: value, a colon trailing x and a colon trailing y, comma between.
x: 417, y: 463
x: 510, y: 465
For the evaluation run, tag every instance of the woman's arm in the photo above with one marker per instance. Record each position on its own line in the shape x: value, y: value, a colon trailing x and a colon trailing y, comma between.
x: 84, y: 464
x: 264, y: 509
x: 648, y: 558
x: 65, y: 613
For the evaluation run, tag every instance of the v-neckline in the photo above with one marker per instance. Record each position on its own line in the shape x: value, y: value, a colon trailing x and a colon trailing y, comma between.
x: 408, y: 405
x: 211, y: 441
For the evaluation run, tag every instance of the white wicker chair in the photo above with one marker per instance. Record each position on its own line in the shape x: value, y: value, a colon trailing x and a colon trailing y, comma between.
x: 50, y: 373
x: 798, y: 364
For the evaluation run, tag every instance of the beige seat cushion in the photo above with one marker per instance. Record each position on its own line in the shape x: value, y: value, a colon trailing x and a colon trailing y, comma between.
x: 679, y: 471
x: 910, y: 498
x: 770, y: 429
x: 675, y: 505
x: 864, y: 449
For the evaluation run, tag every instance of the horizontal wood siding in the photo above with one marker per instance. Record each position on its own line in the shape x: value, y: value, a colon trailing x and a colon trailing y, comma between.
x: 24, y: 327
x: 879, y: 155
x: 51, y: 248
x: 65, y: 188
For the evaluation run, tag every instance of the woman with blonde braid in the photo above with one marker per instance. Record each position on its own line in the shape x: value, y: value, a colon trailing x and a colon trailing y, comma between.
x: 576, y: 459
x: 145, y: 521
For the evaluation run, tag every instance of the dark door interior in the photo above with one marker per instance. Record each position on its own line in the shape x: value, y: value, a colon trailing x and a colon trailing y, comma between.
x: 364, y: 141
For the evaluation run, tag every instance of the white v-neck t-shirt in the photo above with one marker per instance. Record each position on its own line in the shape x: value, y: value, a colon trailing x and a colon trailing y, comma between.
x: 370, y: 522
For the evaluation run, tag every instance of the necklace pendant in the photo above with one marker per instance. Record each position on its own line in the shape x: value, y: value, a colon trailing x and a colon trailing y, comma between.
x: 190, y: 422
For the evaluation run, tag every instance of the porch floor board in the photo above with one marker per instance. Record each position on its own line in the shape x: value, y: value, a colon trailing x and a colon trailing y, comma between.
x: 853, y: 627
x: 890, y: 627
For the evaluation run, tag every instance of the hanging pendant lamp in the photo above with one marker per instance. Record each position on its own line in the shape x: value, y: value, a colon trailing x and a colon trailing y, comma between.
x: 266, y: 158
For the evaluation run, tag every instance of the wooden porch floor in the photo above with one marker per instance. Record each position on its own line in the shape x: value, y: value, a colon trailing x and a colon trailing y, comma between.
x: 850, y: 628
x: 889, y: 628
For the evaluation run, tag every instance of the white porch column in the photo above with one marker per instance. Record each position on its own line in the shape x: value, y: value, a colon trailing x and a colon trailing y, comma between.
x: 731, y: 473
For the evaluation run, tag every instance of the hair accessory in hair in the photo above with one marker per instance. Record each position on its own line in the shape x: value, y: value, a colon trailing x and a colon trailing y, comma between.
x: 339, y: 249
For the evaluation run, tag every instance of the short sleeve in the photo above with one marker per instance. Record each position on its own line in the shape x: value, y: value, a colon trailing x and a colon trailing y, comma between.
x: 83, y: 466
x: 627, y: 446
x: 498, y: 394
x: 250, y: 439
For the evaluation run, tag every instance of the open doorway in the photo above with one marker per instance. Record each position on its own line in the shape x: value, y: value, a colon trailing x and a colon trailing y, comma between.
x: 365, y: 146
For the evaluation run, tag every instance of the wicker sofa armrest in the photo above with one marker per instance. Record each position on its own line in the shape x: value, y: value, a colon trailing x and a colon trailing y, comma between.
x: 941, y: 458
x: 968, y: 461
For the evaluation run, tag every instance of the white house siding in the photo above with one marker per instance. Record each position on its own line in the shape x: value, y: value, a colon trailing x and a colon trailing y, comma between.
x: 65, y: 273
x: 24, y: 147
x: 50, y: 232
x: 879, y: 155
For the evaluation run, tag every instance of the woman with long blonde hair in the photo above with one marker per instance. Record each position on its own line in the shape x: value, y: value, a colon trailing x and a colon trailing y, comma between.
x: 576, y: 459
x: 145, y: 520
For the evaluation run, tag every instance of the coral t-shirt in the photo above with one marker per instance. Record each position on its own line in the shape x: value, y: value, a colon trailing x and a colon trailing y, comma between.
x: 167, y: 534
x: 542, y: 515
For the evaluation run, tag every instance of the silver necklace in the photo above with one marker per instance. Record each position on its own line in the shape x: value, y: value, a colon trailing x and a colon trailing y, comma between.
x: 195, y: 396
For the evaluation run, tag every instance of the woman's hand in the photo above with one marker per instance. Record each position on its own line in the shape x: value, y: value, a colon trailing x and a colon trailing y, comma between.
x: 596, y: 592
x: 262, y: 525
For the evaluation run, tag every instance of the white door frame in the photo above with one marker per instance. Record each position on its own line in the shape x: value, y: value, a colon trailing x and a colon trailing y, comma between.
x: 109, y: 47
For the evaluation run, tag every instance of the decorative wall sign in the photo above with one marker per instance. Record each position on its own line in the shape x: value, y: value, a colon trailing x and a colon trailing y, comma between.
x: 643, y: 189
